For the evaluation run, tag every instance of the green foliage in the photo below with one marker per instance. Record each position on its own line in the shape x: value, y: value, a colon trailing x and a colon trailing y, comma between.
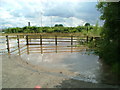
x: 50, y: 30
x: 93, y: 31
x: 58, y: 29
x: 87, y: 24
x: 116, y: 68
x: 34, y: 29
x: 79, y: 28
x: 91, y: 44
x: 58, y: 25
x: 109, y: 47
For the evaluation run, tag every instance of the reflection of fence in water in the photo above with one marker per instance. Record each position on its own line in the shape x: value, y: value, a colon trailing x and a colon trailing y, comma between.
x: 54, y: 39
x: 45, y: 44
x: 54, y: 49
x: 11, y: 44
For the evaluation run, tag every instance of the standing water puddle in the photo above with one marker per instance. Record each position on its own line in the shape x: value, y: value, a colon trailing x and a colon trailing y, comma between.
x: 85, y: 67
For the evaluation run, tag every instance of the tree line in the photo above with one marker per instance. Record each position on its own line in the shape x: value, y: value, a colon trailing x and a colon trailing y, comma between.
x: 59, y: 28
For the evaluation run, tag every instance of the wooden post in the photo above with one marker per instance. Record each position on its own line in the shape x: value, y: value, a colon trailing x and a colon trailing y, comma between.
x: 56, y: 40
x: 87, y: 39
x: 71, y: 49
x: 27, y: 40
x: 8, y: 48
x: 18, y: 41
x: 40, y: 39
x: 41, y: 44
x: 71, y: 40
x: 41, y: 49
x: 56, y: 48
x: 27, y: 49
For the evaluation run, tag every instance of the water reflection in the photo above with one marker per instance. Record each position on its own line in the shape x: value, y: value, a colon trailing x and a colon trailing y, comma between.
x: 85, y: 67
x: 46, y: 49
x: 54, y: 57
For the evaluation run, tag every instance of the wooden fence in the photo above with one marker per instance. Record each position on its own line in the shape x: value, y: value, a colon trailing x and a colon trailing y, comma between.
x: 55, y: 39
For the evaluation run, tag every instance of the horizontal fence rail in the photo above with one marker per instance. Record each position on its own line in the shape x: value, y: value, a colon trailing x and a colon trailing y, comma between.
x: 44, y: 43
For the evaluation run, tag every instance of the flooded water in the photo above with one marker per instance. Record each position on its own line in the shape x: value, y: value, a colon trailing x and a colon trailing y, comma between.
x: 86, y: 67
x: 84, y: 64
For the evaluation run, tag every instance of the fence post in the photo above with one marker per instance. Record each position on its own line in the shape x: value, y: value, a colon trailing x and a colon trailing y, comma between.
x: 40, y: 39
x: 56, y: 49
x: 18, y: 41
x: 87, y: 39
x: 8, y: 48
x: 71, y: 49
x: 56, y: 40
x: 27, y: 49
x: 71, y: 40
x: 41, y: 44
x: 27, y: 40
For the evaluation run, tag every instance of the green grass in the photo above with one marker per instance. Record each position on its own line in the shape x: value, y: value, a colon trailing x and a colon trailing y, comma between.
x: 95, y: 33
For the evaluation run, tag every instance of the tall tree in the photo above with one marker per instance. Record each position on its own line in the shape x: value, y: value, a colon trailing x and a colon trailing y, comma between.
x: 110, y: 49
x: 58, y: 25
x: 87, y: 26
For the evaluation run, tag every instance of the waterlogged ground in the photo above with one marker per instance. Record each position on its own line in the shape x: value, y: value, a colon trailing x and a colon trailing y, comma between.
x: 58, y: 68
x: 71, y: 70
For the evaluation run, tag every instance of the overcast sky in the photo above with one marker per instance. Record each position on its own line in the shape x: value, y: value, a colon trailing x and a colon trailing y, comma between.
x: 16, y: 13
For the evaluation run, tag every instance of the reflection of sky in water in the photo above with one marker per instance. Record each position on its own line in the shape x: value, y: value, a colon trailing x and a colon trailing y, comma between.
x: 12, y: 43
x: 74, y: 62
x: 50, y: 41
x: 2, y: 42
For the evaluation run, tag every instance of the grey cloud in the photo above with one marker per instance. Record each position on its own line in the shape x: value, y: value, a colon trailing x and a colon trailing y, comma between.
x: 60, y: 9
x: 58, y: 19
x: 81, y: 10
x: 25, y: 12
x: 63, y: 11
